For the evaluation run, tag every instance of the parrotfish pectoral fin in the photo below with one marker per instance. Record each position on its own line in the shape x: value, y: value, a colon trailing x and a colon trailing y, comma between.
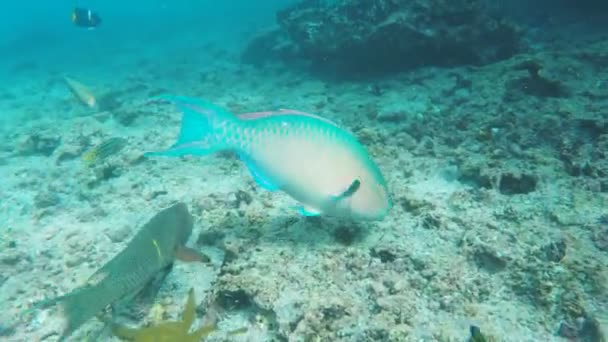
x: 196, y: 134
x: 258, y: 175
x: 352, y: 188
x: 307, y: 211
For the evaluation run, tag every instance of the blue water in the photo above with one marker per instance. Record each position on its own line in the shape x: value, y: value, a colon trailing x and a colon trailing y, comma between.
x: 42, y: 30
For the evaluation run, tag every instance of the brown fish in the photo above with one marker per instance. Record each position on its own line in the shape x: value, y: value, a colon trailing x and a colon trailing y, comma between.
x: 153, y: 249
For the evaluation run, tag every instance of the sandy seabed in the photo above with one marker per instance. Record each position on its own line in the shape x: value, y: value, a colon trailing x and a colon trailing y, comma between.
x: 498, y: 175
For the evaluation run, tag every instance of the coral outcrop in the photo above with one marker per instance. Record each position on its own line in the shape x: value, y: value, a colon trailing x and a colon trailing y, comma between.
x: 374, y: 36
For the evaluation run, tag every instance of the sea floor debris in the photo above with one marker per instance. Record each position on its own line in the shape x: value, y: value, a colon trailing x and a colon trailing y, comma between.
x: 500, y: 199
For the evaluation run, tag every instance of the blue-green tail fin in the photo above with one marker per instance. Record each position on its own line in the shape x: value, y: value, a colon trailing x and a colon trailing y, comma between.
x: 197, y: 135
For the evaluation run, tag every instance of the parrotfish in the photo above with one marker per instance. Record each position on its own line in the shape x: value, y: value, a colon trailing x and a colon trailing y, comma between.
x: 82, y: 92
x: 310, y: 158
x: 151, y: 251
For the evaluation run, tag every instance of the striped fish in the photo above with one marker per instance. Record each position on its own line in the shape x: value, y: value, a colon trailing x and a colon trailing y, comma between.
x: 310, y: 158
x: 104, y: 150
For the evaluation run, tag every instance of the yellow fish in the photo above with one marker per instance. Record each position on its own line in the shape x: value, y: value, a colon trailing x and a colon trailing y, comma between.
x: 171, y: 331
x: 82, y: 92
x: 104, y: 150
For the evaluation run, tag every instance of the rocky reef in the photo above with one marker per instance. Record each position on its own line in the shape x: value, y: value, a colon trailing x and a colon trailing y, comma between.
x: 361, y: 37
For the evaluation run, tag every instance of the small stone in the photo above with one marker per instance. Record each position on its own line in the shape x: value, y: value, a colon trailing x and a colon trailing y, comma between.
x: 512, y: 184
x: 347, y: 234
x: 489, y: 259
x: 210, y: 237
x: 206, y: 204
x: 11, y: 258
x: 46, y: 199
x: 554, y: 251
x: 38, y: 144
x: 589, y: 329
x: 74, y: 260
x: 68, y: 153
x: 241, y: 197
x: 600, y: 237
x: 153, y: 194
x: 384, y: 255
x: 390, y: 116
x: 119, y: 234
x: 127, y: 118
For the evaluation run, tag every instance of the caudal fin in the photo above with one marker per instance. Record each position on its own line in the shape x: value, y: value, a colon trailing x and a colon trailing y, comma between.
x: 197, y: 136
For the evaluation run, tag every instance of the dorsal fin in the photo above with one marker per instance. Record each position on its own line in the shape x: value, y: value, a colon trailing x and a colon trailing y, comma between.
x: 259, y: 115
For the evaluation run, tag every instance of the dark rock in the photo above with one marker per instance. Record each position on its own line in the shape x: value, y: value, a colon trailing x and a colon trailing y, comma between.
x: 6, y: 330
x: 582, y: 147
x: 375, y: 89
x: 333, y: 312
x: 376, y: 36
x: 109, y: 101
x: 600, y: 237
x: 476, y: 177
x: 593, y: 129
x: 511, y: 184
x: 383, y: 254
x: 12, y: 257
x: 106, y: 172
x: 376, y: 335
x: 210, y: 238
x: 489, y: 259
x: 585, y: 329
x: 269, y: 46
x: 432, y: 221
x: 242, y: 197
x: 590, y: 330
x: 234, y: 300
x: 554, y: 251
x: 413, y: 205
x: 66, y: 155
x: 534, y: 84
x: 38, y: 144
x: 127, y: 117
x: 347, y: 234
x: 46, y: 199
x: 566, y: 330
x: 154, y: 194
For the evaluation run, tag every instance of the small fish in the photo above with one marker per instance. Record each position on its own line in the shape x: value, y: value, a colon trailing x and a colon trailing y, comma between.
x: 84, y: 17
x: 81, y: 91
x: 310, y: 158
x: 104, y: 150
